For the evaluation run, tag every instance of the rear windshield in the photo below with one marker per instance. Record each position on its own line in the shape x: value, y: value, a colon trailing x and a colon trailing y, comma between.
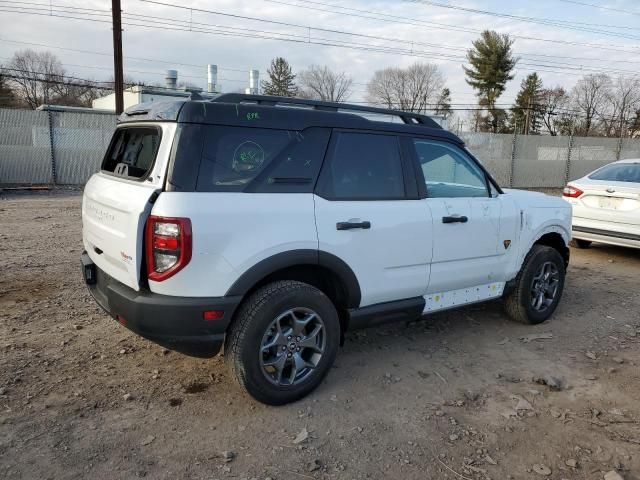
x: 619, y: 172
x: 132, y: 152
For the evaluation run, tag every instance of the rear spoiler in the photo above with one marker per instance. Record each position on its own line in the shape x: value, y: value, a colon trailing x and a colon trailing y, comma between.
x: 152, y: 111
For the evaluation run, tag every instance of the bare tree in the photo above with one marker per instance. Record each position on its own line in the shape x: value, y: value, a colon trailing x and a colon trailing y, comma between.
x: 623, y: 101
x: 34, y: 76
x: 590, y: 97
x: 553, y: 105
x: 414, y: 89
x: 76, y: 93
x: 38, y: 78
x: 321, y: 83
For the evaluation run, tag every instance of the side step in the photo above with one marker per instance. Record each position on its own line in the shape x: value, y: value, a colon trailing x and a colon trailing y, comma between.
x: 380, y: 313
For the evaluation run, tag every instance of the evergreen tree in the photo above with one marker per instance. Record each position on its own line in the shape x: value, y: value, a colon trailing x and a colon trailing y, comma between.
x: 491, y: 63
x: 281, y: 81
x: 443, y: 106
x: 527, y: 112
x: 7, y: 98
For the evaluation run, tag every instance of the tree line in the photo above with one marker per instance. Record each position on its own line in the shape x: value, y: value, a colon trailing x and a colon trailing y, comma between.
x: 597, y: 105
x: 417, y: 88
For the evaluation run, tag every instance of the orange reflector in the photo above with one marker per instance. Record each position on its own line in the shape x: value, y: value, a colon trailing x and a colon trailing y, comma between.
x: 213, y: 314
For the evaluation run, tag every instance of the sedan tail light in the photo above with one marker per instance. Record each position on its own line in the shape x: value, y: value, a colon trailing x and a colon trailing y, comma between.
x: 571, y: 191
x: 168, y: 246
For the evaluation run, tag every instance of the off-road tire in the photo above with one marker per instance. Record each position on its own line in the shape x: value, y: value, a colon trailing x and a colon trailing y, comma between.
x: 518, y: 302
x: 578, y: 243
x: 255, y: 314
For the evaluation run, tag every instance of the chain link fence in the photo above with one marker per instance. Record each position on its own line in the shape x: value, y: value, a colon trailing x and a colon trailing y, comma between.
x: 25, y: 147
x: 494, y: 151
x: 52, y: 147
x: 79, y: 143
x: 66, y: 147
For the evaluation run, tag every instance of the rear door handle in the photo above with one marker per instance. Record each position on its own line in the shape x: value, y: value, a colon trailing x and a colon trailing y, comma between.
x: 455, y: 219
x: 351, y: 225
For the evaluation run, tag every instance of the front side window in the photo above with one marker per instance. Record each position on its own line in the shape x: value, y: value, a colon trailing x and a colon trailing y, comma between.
x: 363, y: 166
x: 618, y: 172
x: 132, y: 152
x: 449, y: 173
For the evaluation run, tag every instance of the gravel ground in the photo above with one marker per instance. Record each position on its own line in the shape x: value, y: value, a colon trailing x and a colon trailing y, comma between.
x: 458, y: 395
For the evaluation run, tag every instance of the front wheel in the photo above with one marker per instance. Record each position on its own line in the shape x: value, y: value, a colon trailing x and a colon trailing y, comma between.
x: 539, y: 286
x: 283, y: 341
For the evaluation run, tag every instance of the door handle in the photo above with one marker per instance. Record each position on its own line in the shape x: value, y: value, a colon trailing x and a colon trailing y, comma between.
x: 455, y: 219
x: 351, y: 225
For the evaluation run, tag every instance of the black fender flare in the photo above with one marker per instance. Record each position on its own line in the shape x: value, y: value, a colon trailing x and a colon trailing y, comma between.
x: 292, y: 258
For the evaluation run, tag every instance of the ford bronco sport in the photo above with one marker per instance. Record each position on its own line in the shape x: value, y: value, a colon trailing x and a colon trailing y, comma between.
x: 271, y: 226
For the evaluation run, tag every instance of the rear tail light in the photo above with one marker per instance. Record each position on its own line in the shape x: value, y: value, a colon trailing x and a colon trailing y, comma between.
x: 571, y: 191
x: 168, y: 246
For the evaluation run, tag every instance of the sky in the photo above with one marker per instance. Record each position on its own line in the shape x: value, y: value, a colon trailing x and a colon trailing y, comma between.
x: 157, y: 37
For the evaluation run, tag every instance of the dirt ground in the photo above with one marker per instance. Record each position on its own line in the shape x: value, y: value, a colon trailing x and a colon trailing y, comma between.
x: 454, y: 396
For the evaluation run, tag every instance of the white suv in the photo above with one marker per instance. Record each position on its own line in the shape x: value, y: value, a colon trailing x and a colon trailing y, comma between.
x: 271, y: 226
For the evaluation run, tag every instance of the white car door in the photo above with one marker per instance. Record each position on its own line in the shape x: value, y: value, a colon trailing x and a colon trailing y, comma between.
x: 468, y: 248
x: 368, y: 214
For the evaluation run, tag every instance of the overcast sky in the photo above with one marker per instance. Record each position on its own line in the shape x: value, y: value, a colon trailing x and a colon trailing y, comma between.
x: 443, y: 44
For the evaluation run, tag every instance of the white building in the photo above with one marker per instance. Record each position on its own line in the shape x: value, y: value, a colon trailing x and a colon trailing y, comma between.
x: 142, y: 93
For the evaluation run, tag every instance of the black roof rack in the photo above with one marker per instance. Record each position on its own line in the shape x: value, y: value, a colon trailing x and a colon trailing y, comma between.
x: 407, y: 117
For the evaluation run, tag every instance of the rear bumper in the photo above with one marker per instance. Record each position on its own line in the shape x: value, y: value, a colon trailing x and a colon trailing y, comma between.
x: 175, y: 323
x: 623, y: 239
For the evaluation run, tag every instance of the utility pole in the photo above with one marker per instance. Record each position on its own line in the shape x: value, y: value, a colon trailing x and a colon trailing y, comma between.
x: 117, y: 55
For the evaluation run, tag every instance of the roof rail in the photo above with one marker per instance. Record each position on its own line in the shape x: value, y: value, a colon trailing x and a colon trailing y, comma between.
x: 407, y: 117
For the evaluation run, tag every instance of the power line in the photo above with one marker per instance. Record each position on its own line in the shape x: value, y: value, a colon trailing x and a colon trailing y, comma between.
x: 346, y: 8
x: 536, y: 20
x: 153, y: 60
x: 292, y: 37
x: 601, y: 7
x: 201, y: 28
x: 440, y: 26
x: 369, y: 37
x: 92, y: 67
x: 374, y: 15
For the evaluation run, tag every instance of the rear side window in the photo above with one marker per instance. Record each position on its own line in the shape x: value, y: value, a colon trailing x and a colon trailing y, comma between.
x: 132, y: 152
x: 619, y: 172
x: 363, y: 166
x: 260, y: 160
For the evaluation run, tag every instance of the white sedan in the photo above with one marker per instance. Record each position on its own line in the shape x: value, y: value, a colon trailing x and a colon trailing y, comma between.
x: 606, y: 205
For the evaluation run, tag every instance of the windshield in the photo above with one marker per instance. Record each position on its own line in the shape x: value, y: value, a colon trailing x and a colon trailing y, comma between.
x: 618, y: 172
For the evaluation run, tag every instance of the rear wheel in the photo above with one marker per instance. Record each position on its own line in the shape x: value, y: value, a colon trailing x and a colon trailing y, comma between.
x: 539, y: 286
x: 576, y: 242
x: 283, y: 342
